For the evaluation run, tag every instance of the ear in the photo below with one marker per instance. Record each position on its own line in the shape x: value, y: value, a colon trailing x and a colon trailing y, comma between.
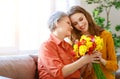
x: 56, y: 24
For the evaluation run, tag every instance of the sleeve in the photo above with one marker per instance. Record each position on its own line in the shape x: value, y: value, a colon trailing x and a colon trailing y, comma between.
x: 50, y: 59
x: 111, y: 55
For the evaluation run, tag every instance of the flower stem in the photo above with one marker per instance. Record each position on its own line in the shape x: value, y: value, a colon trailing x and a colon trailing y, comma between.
x: 98, y: 71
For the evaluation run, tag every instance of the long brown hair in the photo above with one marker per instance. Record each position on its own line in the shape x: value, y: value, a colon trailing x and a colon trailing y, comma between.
x: 93, y: 28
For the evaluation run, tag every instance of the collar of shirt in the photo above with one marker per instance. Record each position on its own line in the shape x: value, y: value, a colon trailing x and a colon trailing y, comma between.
x: 62, y: 43
x: 56, y: 40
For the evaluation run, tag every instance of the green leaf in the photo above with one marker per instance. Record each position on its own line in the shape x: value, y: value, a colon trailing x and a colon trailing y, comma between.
x: 117, y: 27
x: 117, y: 4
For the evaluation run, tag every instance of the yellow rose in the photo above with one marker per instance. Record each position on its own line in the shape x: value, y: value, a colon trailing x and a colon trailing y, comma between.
x: 82, y: 49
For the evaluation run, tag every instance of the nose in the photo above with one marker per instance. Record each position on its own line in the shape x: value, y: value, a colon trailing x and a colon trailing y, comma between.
x: 80, y: 23
x: 71, y: 27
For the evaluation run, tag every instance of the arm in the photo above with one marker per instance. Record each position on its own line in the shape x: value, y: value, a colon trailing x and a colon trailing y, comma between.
x: 70, y: 68
x: 48, y: 57
x: 109, y: 56
x: 55, y: 66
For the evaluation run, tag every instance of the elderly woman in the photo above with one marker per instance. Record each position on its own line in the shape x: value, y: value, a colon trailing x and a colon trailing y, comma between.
x: 55, y: 60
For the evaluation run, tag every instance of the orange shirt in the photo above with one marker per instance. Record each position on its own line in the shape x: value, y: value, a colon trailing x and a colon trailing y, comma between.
x: 53, y: 55
x: 108, y: 53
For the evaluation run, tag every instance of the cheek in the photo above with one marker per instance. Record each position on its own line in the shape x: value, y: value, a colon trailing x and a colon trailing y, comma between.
x: 86, y: 23
x: 77, y: 27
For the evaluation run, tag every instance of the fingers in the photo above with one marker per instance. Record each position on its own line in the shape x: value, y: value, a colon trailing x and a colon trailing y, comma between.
x: 94, y: 58
x: 97, y: 52
x: 95, y: 55
x: 97, y: 58
x: 95, y: 61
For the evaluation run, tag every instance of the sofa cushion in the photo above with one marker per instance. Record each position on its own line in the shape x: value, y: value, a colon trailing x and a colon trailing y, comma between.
x: 17, y: 67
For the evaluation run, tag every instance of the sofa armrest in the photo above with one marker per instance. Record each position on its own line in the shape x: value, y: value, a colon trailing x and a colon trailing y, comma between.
x: 17, y: 67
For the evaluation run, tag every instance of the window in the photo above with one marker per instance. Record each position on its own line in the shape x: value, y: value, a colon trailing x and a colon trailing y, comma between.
x: 23, y: 23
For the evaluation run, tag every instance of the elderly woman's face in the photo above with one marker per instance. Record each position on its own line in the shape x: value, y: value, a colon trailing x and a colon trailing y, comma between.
x: 80, y: 22
x: 64, y: 27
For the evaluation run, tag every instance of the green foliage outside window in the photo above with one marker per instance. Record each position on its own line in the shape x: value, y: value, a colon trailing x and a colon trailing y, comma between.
x: 106, y: 5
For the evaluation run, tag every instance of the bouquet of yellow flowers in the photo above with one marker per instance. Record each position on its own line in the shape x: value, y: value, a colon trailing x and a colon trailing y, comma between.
x: 86, y: 45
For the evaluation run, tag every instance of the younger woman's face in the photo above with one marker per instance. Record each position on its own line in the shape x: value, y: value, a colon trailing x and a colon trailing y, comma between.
x: 80, y: 22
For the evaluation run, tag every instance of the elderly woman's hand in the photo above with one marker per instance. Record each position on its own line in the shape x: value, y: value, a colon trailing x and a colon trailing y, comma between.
x: 95, y: 58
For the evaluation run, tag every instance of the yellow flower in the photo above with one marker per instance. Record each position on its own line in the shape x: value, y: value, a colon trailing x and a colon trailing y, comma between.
x: 83, y: 37
x: 99, y: 43
x: 75, y: 47
x: 82, y: 50
x: 87, y: 44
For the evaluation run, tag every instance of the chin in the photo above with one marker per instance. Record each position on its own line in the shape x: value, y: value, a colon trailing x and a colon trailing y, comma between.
x: 84, y: 31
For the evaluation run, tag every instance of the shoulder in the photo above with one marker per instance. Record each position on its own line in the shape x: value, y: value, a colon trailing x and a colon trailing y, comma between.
x: 106, y: 33
x: 48, y: 44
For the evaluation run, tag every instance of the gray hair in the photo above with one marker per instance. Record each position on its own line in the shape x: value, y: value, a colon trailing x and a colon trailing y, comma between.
x: 54, y: 18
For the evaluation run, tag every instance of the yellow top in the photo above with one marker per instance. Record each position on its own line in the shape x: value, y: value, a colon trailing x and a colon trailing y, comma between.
x: 108, y: 53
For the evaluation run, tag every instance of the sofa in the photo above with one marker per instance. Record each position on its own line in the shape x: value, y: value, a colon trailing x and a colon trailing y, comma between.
x: 23, y: 67
x: 18, y: 67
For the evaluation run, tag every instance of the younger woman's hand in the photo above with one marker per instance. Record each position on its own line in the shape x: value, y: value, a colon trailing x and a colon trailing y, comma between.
x: 102, y: 60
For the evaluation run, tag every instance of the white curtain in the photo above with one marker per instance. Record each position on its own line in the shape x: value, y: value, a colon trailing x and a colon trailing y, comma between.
x: 23, y: 23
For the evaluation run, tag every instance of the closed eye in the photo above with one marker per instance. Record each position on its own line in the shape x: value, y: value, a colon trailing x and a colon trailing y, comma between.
x: 74, y: 24
x: 69, y: 23
x: 80, y: 19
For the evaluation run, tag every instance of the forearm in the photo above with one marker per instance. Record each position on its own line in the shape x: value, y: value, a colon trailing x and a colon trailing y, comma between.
x: 109, y: 64
x: 71, y: 68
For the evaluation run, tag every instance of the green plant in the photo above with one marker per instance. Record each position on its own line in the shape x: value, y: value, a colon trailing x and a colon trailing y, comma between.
x: 106, y: 5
